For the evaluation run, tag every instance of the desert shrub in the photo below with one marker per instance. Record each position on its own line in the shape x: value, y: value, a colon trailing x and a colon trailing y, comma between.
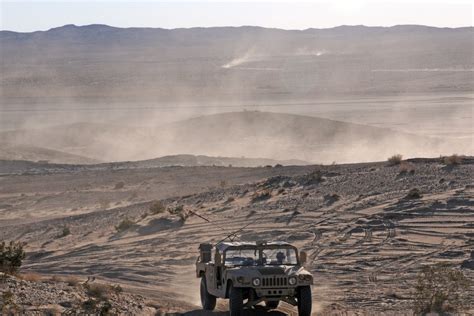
x: 440, y: 289
x: 183, y: 216
x: 261, y: 196
x: 11, y: 257
x: 97, y: 290
x: 157, y: 207
x: 332, y: 198
x: 116, y: 289
x: 175, y: 210
x: 71, y: 280
x: 124, y: 225
x: 452, y: 160
x: 395, y: 160
x: 222, y: 183
x: 7, y: 303
x: 413, y: 194
x: 31, y: 277
x: 119, y: 185
x: 65, y: 232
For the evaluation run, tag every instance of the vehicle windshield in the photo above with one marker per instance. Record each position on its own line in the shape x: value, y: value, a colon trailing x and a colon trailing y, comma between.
x: 269, y: 256
x: 280, y: 256
x: 241, y: 257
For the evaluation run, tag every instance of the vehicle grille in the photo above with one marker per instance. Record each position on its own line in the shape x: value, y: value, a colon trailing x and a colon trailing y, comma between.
x: 274, y: 281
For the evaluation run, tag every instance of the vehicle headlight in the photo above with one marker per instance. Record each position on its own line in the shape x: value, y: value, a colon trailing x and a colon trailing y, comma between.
x: 292, y: 281
x: 256, y: 282
x: 240, y: 279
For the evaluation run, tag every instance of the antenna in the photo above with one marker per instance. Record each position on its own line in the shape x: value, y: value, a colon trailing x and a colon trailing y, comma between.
x: 234, y: 233
x: 240, y: 229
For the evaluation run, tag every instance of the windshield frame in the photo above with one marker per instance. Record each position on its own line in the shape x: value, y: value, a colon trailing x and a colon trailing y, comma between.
x: 260, y: 250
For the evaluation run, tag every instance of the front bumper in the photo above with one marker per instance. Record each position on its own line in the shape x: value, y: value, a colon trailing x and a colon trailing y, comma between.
x: 275, y: 292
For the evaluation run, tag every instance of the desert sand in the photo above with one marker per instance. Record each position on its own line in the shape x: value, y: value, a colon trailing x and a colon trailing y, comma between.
x: 365, y: 238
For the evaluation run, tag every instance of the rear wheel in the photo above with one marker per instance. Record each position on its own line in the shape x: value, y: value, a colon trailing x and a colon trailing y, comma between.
x: 208, y: 301
x: 304, y: 301
x: 272, y: 304
x: 236, y: 301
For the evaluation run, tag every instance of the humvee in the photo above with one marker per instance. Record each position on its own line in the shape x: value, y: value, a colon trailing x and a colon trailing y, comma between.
x: 251, y: 273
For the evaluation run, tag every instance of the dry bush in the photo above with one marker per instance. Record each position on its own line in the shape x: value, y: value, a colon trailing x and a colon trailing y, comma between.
x: 222, y: 183
x: 124, y: 225
x: 261, y: 196
x: 395, y: 160
x: 119, y: 185
x: 97, y: 290
x: 414, y: 194
x: 71, y: 280
x: 7, y: 304
x: 116, y: 289
x: 157, y: 207
x: 183, y: 216
x: 313, y: 177
x: 452, y: 160
x: 441, y: 289
x: 65, y: 232
x: 175, y: 210
x: 31, y: 277
x: 11, y: 257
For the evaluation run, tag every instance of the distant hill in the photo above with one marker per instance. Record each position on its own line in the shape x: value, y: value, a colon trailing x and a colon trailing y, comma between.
x: 249, y: 134
x: 33, y: 153
x: 228, y: 63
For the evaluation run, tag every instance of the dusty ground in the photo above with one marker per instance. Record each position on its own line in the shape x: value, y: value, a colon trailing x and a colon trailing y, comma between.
x: 366, y: 241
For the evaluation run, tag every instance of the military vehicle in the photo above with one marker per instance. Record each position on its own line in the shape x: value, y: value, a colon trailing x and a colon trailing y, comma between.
x: 251, y: 273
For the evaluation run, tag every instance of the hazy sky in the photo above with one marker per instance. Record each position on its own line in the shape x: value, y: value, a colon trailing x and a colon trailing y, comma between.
x: 32, y: 15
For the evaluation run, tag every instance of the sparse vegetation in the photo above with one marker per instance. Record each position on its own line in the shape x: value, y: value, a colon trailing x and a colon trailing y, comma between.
x: 71, y: 280
x: 175, y: 210
x: 314, y: 177
x: 97, y: 290
x: 414, y: 194
x: 157, y: 207
x: 180, y: 212
x: 395, y: 160
x: 452, y: 160
x: 31, y: 277
x: 332, y: 198
x: 440, y: 289
x: 261, y: 196
x: 124, y: 225
x: 11, y: 257
x: 65, y: 232
x: 8, y: 306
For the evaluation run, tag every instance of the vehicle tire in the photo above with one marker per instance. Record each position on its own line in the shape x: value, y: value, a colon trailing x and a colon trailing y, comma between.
x: 236, y: 302
x: 272, y: 304
x: 304, y: 301
x: 208, y: 301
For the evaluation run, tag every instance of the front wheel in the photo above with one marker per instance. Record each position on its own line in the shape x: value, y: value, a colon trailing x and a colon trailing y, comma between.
x: 304, y: 301
x: 236, y: 301
x: 208, y: 301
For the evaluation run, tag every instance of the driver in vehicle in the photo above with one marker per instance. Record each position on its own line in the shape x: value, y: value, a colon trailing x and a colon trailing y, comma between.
x: 280, y: 257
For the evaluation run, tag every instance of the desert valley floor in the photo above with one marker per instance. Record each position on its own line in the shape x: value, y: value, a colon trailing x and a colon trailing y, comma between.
x: 368, y: 228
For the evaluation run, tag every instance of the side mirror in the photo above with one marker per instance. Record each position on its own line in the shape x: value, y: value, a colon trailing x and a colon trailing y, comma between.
x: 303, y: 257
